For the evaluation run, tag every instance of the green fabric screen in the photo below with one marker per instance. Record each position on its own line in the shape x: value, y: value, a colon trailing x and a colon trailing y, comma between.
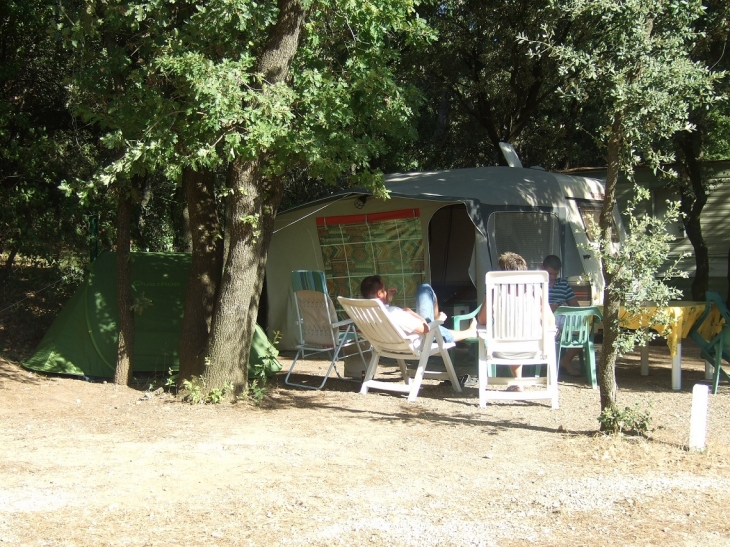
x: 82, y: 340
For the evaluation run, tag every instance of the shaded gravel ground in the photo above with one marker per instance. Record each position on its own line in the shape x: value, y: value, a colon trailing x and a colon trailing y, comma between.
x: 94, y: 464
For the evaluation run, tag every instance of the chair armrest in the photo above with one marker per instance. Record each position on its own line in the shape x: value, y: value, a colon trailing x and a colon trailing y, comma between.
x: 342, y: 323
x: 434, y: 323
x: 457, y: 319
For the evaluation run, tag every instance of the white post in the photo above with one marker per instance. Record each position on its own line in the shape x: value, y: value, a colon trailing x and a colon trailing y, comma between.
x: 698, y: 418
x: 645, y: 359
x: 677, y: 368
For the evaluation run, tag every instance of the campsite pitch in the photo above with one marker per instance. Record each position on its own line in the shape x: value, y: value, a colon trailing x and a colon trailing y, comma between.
x: 94, y: 464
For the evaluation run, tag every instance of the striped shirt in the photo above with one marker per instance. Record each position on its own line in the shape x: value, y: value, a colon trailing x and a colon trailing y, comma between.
x: 561, y: 293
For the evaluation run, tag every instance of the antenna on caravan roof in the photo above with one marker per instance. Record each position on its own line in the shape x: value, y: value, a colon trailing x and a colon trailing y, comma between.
x: 513, y: 160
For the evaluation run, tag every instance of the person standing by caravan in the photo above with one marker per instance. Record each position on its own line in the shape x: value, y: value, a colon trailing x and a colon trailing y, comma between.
x: 561, y: 294
x: 407, y: 319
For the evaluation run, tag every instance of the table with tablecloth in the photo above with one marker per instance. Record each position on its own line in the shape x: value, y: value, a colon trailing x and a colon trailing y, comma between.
x: 682, y: 316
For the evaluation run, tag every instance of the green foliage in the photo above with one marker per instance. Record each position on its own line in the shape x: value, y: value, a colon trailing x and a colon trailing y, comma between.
x: 259, y: 372
x: 718, y: 133
x: 41, y: 142
x: 480, y: 87
x: 195, y: 392
x: 256, y: 391
x: 630, y: 420
x: 169, y: 383
x: 638, y: 269
x: 633, y: 66
x: 141, y: 303
x: 177, y: 86
x: 631, y: 62
x: 218, y: 395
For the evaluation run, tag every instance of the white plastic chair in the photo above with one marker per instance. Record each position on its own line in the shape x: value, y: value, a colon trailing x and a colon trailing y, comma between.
x: 388, y: 340
x: 319, y: 329
x: 520, y: 330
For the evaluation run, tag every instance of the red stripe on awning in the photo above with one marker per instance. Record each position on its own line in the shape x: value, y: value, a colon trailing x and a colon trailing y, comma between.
x: 373, y: 217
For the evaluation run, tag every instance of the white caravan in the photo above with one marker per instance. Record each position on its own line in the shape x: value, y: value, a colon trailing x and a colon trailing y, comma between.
x: 443, y: 227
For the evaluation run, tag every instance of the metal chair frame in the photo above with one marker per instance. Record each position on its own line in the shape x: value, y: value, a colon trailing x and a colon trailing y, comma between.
x: 715, y: 350
x: 330, y: 335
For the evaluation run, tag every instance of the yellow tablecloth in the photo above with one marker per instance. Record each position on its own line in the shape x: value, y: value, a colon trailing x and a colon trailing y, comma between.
x: 682, y: 315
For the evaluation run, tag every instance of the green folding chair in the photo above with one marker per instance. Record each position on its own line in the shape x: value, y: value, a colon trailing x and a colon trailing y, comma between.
x: 577, y: 333
x: 715, y: 350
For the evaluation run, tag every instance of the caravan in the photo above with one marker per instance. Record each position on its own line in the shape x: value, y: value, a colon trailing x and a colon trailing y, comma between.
x: 443, y: 227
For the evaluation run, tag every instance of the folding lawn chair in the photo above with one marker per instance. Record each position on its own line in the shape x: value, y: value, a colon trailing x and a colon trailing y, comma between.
x: 320, y: 331
x: 718, y: 348
x: 388, y: 340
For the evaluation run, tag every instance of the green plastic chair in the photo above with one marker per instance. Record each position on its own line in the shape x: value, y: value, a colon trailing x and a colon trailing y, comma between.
x: 471, y: 342
x: 715, y: 350
x: 577, y: 332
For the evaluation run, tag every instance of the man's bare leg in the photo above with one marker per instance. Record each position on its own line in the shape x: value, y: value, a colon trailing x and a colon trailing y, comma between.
x: 470, y: 332
x: 566, y: 362
x: 517, y: 373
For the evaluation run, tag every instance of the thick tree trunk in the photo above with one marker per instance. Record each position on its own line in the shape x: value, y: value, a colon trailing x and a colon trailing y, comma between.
x: 237, y: 307
x: 205, y: 271
x: 693, y: 200
x: 125, y: 349
x: 252, y: 208
x: 611, y: 299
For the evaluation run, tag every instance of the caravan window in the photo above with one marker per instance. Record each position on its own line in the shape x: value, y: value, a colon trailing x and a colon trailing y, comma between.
x: 592, y: 210
x: 533, y: 235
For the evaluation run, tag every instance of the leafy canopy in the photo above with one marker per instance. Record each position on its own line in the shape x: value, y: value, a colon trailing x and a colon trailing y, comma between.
x: 179, y: 85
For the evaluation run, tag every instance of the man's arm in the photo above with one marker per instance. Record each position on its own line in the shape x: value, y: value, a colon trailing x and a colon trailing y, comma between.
x: 566, y: 291
x: 423, y: 328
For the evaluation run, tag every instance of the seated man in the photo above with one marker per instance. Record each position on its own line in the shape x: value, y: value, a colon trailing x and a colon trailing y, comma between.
x: 561, y: 294
x: 408, y: 320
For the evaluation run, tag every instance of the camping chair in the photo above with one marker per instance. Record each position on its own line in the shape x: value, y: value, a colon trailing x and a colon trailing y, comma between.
x: 319, y: 329
x: 472, y: 342
x: 520, y: 331
x: 388, y: 340
x: 577, y: 332
x: 715, y: 350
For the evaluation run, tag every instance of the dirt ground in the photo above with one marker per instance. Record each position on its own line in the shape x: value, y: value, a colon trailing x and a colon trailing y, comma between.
x: 94, y: 464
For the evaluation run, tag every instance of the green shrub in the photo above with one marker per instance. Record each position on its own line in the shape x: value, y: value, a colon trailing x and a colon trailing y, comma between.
x: 633, y: 421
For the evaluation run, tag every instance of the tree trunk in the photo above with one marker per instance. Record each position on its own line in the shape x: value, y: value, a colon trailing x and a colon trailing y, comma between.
x: 611, y: 299
x: 125, y: 349
x: 184, y: 236
x: 205, y: 271
x: 693, y: 200
x: 253, y: 203
x: 8, y: 268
